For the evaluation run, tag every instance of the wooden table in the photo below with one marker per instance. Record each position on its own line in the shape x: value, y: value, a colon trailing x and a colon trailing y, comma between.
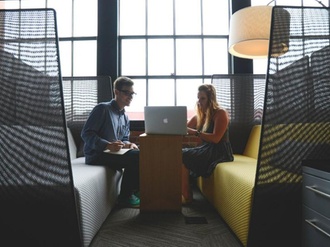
x: 160, y: 172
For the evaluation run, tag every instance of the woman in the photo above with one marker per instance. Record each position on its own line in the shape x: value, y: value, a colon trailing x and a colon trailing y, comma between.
x: 210, y: 124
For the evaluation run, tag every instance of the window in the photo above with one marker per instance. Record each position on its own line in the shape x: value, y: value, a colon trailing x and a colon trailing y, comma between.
x: 77, y: 31
x: 169, y: 49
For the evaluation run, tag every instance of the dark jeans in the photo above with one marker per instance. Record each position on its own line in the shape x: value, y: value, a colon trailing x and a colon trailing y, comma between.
x: 130, y: 162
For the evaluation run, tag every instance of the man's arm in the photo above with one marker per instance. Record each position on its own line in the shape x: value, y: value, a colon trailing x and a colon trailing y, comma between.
x: 92, y: 127
x: 126, y: 136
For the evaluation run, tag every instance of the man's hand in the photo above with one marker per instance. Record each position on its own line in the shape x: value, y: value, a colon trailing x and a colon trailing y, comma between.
x: 132, y: 146
x: 115, y: 146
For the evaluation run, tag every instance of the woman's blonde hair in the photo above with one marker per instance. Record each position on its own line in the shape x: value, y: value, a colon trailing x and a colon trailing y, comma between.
x: 212, y: 107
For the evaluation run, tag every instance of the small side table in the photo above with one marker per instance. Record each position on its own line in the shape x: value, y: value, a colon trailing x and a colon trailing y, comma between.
x: 160, y: 173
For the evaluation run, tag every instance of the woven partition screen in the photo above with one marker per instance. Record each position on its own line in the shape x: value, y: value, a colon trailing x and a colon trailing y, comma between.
x: 81, y: 95
x: 296, y: 123
x: 242, y: 95
x: 37, y: 203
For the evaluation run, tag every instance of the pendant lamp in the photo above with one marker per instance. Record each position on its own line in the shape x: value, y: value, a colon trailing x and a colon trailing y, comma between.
x: 249, y: 34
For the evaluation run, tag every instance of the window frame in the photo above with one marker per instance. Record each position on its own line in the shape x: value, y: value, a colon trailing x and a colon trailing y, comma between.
x: 205, y: 78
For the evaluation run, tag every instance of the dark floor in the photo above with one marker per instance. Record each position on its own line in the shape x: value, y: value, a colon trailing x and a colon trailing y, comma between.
x: 197, y: 225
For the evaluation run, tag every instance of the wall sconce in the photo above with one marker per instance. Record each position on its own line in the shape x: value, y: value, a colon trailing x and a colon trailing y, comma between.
x: 250, y: 32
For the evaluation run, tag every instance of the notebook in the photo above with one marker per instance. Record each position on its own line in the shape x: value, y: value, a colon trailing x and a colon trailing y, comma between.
x: 167, y: 120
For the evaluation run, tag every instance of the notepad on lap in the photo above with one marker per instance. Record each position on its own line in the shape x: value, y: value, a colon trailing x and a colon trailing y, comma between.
x: 167, y: 120
x: 120, y: 152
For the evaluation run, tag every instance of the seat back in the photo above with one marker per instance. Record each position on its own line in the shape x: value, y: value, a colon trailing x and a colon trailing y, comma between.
x: 295, y: 124
x: 252, y: 145
x: 81, y: 95
x: 242, y: 95
x: 37, y: 206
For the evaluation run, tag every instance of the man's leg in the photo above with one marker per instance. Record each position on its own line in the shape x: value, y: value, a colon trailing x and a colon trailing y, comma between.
x: 130, y: 180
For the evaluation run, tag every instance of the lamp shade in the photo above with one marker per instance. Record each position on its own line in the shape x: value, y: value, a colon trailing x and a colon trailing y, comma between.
x: 250, y: 33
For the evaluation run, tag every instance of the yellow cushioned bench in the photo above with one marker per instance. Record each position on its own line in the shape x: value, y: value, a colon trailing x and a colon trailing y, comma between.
x: 230, y: 188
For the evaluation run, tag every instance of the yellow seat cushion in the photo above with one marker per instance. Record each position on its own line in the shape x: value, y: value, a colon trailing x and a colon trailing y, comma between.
x: 230, y: 187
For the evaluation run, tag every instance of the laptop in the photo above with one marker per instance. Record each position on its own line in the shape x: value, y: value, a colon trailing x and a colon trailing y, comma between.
x: 165, y: 120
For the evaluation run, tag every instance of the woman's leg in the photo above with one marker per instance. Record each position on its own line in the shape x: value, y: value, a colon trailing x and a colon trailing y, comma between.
x: 186, y: 189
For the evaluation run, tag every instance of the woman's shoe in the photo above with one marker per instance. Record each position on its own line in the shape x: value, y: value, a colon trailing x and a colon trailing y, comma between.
x: 186, y: 201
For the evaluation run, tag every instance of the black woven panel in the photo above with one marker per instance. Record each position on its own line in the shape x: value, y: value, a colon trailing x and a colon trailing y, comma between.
x: 296, y: 123
x: 81, y: 94
x: 243, y: 97
x: 37, y: 203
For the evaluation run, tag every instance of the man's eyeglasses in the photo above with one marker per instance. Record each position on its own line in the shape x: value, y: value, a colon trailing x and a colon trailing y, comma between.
x: 127, y: 92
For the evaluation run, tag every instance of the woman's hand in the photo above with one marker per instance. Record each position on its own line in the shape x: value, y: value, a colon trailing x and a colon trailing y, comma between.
x: 191, y: 126
x: 191, y: 131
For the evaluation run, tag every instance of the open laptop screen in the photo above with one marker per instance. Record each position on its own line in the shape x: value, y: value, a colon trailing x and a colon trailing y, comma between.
x: 167, y: 120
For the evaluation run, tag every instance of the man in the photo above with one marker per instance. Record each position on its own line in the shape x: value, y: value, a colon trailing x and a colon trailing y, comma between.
x: 107, y: 129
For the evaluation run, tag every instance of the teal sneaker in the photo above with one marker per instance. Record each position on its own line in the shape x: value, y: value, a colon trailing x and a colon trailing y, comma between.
x: 131, y: 201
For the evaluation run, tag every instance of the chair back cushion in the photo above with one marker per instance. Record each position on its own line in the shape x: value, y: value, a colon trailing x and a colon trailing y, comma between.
x: 72, y: 145
x: 252, y: 145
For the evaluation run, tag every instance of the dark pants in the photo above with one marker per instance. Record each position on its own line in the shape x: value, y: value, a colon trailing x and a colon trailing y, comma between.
x: 130, y: 162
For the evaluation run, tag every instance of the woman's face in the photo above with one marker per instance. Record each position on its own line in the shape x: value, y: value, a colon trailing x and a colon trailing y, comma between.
x: 202, y: 99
